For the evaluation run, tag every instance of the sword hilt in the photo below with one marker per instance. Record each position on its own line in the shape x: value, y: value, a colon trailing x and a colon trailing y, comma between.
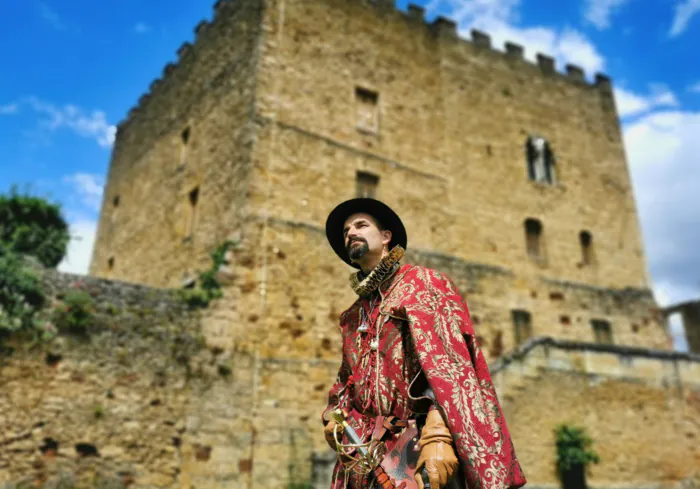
x: 426, y: 479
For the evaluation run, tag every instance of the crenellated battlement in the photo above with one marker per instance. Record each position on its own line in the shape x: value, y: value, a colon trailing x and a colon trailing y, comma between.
x: 186, y: 49
x: 443, y: 28
x: 447, y: 29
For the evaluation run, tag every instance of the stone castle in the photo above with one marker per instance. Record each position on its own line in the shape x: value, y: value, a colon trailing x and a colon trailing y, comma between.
x: 510, y: 176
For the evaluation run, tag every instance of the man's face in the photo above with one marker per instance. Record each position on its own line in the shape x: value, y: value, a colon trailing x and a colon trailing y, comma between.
x: 363, y: 237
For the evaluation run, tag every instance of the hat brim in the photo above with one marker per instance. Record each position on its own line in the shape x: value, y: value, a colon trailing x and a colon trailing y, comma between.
x: 380, y: 211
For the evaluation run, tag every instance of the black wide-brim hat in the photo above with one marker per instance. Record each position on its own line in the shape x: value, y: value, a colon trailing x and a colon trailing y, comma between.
x: 379, y: 210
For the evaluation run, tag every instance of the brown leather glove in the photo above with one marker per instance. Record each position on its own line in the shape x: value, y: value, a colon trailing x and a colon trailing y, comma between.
x: 328, y: 433
x: 436, y: 454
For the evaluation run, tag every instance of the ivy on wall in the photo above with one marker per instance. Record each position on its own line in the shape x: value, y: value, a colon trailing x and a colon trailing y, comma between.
x: 208, y: 288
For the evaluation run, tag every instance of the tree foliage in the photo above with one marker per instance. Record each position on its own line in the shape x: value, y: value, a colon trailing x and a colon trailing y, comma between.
x: 33, y: 226
x: 21, y: 296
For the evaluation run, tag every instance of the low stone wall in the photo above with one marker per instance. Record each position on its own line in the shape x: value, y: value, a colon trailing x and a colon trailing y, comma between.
x: 144, y: 401
x: 107, y: 407
x: 640, y: 406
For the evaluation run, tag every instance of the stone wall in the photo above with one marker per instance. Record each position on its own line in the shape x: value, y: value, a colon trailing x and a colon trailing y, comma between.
x: 139, y: 400
x: 640, y: 406
x: 450, y: 145
x: 269, y: 92
x: 148, y: 399
x: 152, y: 228
x: 274, y: 146
x: 449, y: 153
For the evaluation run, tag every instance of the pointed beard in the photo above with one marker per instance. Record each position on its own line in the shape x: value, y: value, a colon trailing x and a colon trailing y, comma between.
x: 359, y: 251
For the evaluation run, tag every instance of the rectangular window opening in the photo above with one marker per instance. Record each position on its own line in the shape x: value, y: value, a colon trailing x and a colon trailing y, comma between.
x: 586, y: 240
x: 367, y: 184
x: 533, y: 239
x: 522, y: 322
x: 184, y: 148
x: 602, y: 331
x: 193, y: 200
x: 367, y: 102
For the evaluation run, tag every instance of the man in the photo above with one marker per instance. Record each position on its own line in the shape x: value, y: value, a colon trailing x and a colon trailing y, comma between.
x: 407, y: 339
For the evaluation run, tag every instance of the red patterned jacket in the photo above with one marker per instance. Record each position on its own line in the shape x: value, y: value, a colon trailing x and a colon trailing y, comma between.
x: 422, y: 325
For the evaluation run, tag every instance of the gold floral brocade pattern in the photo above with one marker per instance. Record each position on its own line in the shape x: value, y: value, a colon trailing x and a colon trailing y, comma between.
x: 418, y: 321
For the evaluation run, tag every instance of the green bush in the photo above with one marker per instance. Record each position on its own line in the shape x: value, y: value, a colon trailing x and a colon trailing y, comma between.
x: 21, y: 297
x: 33, y: 226
x: 195, y: 298
x: 573, y: 448
x: 76, y: 313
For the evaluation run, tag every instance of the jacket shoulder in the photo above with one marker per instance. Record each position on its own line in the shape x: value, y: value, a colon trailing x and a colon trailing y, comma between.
x: 425, y: 274
x: 345, y: 315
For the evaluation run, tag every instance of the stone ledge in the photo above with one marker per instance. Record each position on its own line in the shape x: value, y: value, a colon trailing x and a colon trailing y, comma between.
x: 628, y: 351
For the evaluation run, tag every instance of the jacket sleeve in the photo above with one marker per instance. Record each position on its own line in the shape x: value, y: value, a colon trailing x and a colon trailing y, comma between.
x: 339, y: 395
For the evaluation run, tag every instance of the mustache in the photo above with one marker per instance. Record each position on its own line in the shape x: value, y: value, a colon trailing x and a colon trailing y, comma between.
x: 356, y: 240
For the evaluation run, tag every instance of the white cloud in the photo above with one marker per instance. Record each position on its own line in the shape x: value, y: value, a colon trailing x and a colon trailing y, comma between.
x: 685, y: 11
x: 93, y: 125
x: 598, y: 12
x: 663, y: 151
x: 499, y: 18
x: 676, y: 326
x: 77, y: 260
x: 630, y: 103
x: 695, y: 88
x: 50, y: 16
x: 9, y: 109
x: 142, y: 28
x: 668, y: 293
x: 89, y: 188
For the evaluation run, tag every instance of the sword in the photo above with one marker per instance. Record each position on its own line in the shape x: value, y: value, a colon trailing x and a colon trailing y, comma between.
x: 382, y: 478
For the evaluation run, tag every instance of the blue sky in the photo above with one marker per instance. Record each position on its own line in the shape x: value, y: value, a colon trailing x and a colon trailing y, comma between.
x: 72, y: 69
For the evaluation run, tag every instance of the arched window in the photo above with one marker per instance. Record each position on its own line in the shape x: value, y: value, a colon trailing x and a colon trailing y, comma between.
x: 540, y: 160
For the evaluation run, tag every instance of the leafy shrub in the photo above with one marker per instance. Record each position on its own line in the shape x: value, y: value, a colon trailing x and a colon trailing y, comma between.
x: 33, y: 226
x: 573, y: 448
x: 195, y: 298
x: 21, y: 297
x: 76, y: 313
x: 209, y: 288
